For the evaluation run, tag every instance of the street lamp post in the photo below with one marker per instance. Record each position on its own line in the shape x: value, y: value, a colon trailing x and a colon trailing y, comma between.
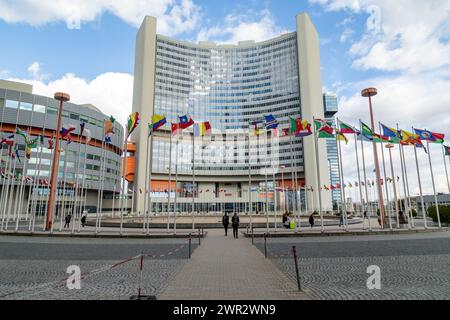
x: 369, y: 93
x: 61, y: 97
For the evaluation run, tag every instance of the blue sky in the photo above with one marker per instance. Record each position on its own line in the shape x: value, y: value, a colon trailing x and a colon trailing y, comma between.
x: 401, y: 47
x: 107, y: 43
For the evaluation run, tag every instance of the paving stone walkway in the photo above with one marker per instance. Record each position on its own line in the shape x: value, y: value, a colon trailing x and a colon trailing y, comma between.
x: 227, y: 268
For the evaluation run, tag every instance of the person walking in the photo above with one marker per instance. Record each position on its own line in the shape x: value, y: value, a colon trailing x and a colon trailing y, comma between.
x: 285, y: 220
x: 226, y: 222
x: 83, y: 218
x: 311, y: 220
x: 67, y: 221
x: 235, y: 225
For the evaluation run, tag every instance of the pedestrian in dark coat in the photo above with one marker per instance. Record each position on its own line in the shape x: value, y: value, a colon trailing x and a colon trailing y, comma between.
x: 311, y: 220
x: 226, y: 222
x: 235, y: 225
x: 67, y: 220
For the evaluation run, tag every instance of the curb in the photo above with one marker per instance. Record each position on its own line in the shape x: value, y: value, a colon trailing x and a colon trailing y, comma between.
x: 105, y: 236
x: 349, y: 233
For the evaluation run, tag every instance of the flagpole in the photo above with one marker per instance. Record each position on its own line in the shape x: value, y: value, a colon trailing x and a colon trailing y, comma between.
x: 102, y: 184
x: 193, y: 179
x: 47, y: 189
x: 405, y: 203
x: 359, y: 177
x: 266, y: 181
x: 445, y: 166
x: 83, y: 184
x: 169, y: 187
x: 274, y: 186
x: 344, y: 203
x: 249, y: 182
x: 420, y: 186
x: 388, y: 205
x: 9, y: 186
x: 123, y: 183
x: 394, y: 183
x: 63, y: 206
x: 10, y: 192
x: 144, y: 222
x: 365, y: 177
x: 298, y: 194
x: 434, y: 187
x: 319, y: 189
x: 176, y: 187
x: 149, y: 202
x: 407, y: 188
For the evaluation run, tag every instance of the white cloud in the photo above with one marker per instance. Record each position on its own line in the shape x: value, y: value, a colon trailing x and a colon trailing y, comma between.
x: 110, y: 92
x: 402, y: 35
x: 35, y: 71
x: 174, y: 16
x: 409, y: 101
x: 346, y: 35
x: 239, y: 27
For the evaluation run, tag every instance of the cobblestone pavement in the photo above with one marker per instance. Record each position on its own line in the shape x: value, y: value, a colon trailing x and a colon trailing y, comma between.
x: 415, y: 266
x: 35, y: 268
x: 227, y: 268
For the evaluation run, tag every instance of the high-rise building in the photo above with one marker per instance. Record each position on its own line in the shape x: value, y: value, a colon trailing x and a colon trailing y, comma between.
x: 230, y: 86
x: 330, y: 105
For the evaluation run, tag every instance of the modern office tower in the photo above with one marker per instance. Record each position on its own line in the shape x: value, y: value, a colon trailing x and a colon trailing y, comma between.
x: 231, y: 86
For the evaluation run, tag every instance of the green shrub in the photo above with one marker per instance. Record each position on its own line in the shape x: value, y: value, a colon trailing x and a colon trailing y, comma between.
x: 444, y: 212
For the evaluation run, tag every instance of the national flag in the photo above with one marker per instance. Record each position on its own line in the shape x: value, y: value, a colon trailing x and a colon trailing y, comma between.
x: 16, y: 152
x: 341, y: 137
x: 350, y: 185
x: 108, y: 138
x: 389, y: 132
x: 9, y: 140
x: 50, y: 144
x: 332, y: 187
x: 88, y: 135
x: 367, y: 132
x: 326, y: 188
x: 410, y: 138
x: 28, y: 179
x: 324, y: 128
x: 65, y: 132
x: 271, y: 122
x: 108, y: 126
x: 301, y: 128
x: 82, y: 125
x: 338, y: 186
x: 286, y: 132
x: 132, y: 122
x: 379, y: 138
x: 346, y: 128
x: 157, y: 122
x: 30, y: 144
x: 257, y: 127
x: 22, y: 133
x: 201, y: 129
x: 185, y: 121
x: 175, y: 128
x: 433, y: 137
x: 447, y: 150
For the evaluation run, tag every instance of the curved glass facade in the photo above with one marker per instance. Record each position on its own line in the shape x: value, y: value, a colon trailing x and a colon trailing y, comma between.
x: 229, y: 86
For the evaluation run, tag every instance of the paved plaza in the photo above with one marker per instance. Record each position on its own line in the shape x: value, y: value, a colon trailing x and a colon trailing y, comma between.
x: 413, y: 266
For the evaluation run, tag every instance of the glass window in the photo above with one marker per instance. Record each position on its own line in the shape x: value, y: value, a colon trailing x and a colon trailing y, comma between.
x: 52, y: 110
x: 2, y: 102
x: 26, y: 106
x: 74, y: 116
x: 84, y: 118
x: 65, y: 114
x: 39, y: 108
x: 12, y: 104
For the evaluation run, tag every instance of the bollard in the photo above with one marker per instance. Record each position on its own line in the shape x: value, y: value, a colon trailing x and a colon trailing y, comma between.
x: 253, y: 236
x: 199, y: 241
x: 140, y: 277
x: 265, y: 245
x: 190, y: 241
x: 296, y: 268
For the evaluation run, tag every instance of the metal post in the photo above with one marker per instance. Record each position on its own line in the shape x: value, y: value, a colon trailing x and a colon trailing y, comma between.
x: 199, y: 241
x: 294, y: 251
x: 253, y: 236
x: 190, y: 244
x: 140, y: 276
x: 265, y: 245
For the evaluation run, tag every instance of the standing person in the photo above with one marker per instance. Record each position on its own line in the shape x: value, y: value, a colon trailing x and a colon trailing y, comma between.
x: 235, y: 225
x: 67, y: 220
x: 341, y: 220
x: 226, y: 222
x: 311, y: 220
x: 285, y: 219
x: 83, y: 218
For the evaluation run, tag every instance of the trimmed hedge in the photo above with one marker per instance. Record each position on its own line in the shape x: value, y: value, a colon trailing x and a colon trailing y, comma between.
x: 444, y: 213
